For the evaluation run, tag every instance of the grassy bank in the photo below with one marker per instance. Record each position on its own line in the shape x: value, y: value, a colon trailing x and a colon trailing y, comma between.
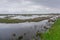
x: 7, y: 20
x: 54, y: 32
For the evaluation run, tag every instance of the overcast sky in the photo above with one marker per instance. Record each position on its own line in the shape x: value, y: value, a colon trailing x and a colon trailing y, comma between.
x: 29, y: 6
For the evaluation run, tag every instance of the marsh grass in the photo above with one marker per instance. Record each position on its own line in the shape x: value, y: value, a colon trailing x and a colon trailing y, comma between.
x: 8, y: 20
x: 54, y: 32
x: 40, y: 35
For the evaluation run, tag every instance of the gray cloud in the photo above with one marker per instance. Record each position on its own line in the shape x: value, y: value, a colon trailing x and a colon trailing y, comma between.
x: 29, y: 6
x: 49, y: 3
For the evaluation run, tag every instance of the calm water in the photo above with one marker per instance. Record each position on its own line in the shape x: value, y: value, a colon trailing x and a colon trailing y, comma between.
x: 6, y: 30
x: 24, y: 17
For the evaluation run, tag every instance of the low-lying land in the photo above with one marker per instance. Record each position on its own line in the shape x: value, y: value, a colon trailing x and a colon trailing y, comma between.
x: 54, y: 32
x: 7, y: 20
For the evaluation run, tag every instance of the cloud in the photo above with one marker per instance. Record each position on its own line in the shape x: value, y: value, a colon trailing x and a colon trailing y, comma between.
x: 49, y: 3
x: 27, y: 6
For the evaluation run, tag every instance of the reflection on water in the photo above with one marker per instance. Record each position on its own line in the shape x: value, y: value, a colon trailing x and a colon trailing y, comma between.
x: 6, y: 30
x: 25, y: 30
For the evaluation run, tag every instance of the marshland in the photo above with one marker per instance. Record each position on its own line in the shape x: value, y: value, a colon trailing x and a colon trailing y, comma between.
x: 29, y: 19
x: 27, y: 27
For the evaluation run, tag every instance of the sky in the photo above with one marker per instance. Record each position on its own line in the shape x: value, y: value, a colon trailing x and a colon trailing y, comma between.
x: 29, y: 6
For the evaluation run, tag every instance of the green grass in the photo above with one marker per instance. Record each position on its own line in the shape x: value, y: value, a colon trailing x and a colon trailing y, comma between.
x: 7, y: 20
x: 54, y: 32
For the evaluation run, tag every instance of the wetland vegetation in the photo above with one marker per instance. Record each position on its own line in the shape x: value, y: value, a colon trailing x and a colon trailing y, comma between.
x: 54, y: 32
x: 9, y: 20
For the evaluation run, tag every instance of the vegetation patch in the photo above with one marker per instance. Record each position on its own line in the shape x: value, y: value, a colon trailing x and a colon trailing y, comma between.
x: 8, y: 20
x: 54, y: 32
